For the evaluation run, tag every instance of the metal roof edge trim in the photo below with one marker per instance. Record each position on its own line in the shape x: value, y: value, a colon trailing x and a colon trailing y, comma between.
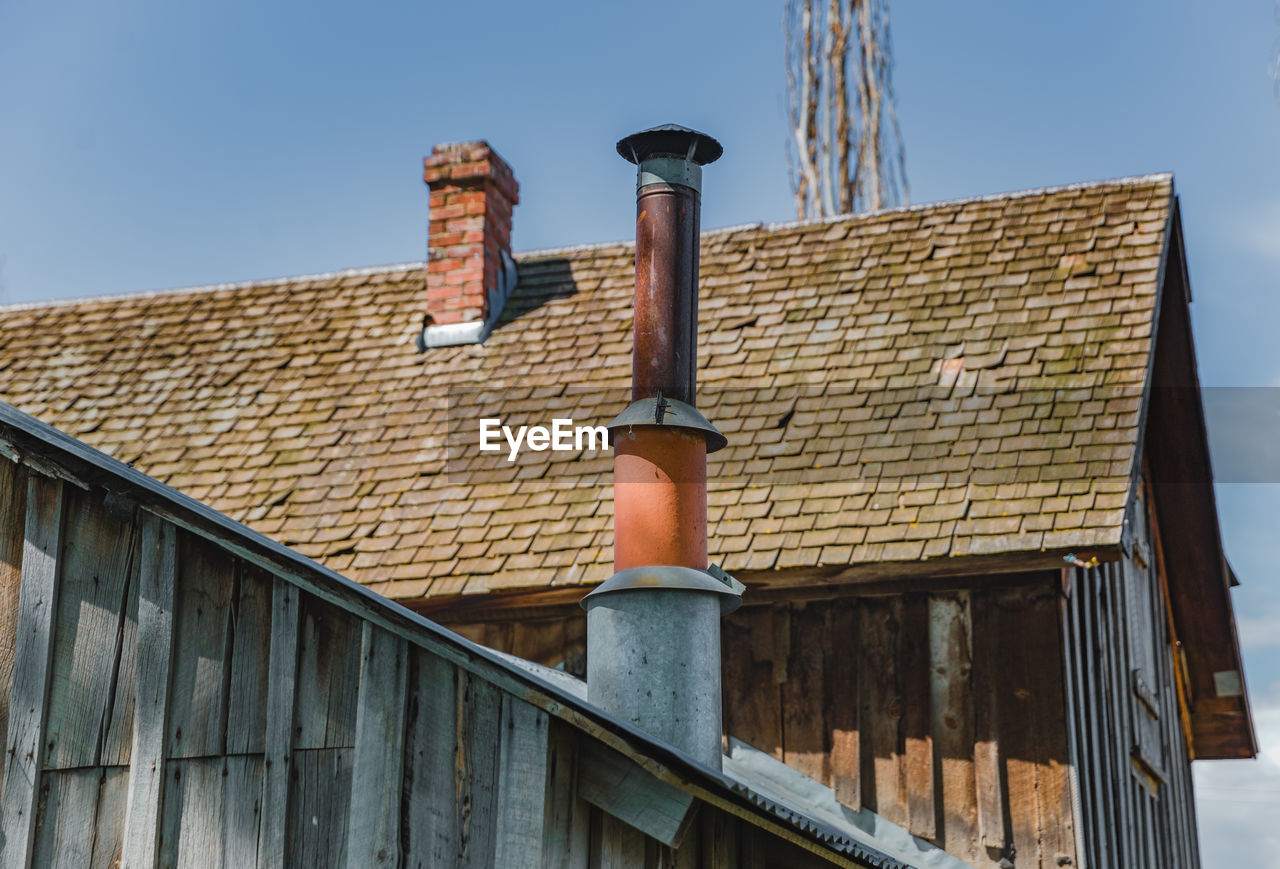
x: 74, y: 457
x: 764, y: 774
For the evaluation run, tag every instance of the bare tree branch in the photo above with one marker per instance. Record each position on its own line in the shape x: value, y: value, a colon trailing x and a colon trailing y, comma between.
x: 1275, y: 62
x: 845, y: 148
x: 840, y: 97
x: 803, y: 89
x: 825, y: 127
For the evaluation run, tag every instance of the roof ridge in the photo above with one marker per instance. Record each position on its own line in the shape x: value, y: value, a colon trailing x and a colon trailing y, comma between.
x: 393, y: 268
x: 541, y: 253
x: 862, y: 215
x: 963, y: 200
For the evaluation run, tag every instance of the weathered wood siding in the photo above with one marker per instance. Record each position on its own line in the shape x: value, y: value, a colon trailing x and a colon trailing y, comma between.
x: 1033, y: 723
x: 170, y: 704
x: 942, y: 712
x: 1129, y: 737
x: 559, y: 642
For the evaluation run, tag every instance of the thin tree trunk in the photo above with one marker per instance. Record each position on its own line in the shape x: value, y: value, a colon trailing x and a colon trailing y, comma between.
x: 847, y: 143
x: 840, y: 97
x: 871, y: 110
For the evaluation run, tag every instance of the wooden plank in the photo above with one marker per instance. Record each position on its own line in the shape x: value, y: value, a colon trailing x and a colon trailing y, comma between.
x: 242, y: 811
x: 567, y: 828
x: 68, y: 811
x: 319, y: 804
x: 1018, y: 725
x: 250, y: 645
x: 81, y: 818
x: 752, y: 700
x: 1083, y: 807
x: 684, y: 857
x: 720, y: 835
x: 156, y: 582
x: 117, y: 744
x: 1092, y: 626
x: 623, y: 789
x: 191, y: 820
x: 93, y: 579
x: 431, y: 751
x: 804, y: 726
x: 1120, y: 737
x: 278, y: 766
x: 917, y: 730
x: 541, y: 641
x: 1033, y: 738
x: 108, y: 835
x: 841, y: 644
x: 498, y: 636
x: 951, y: 696
x: 989, y: 787
x: 1114, y: 772
x: 374, y: 825
x: 1053, y: 782
x: 781, y: 652
x: 328, y: 676
x: 575, y: 644
x: 202, y: 630
x: 32, y: 663
x: 522, y: 784
x: 13, y: 520
x: 1181, y: 684
x: 1092, y: 792
x: 479, y: 711
x: 621, y: 846
x: 882, y: 770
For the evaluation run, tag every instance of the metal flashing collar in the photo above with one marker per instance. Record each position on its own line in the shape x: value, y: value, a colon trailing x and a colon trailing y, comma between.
x: 669, y: 412
x: 667, y: 576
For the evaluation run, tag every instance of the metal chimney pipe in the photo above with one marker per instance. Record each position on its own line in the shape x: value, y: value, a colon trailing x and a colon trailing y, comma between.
x: 653, y: 629
x: 660, y: 473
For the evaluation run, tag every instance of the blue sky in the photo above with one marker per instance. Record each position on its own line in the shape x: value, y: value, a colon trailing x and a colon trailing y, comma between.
x: 147, y: 145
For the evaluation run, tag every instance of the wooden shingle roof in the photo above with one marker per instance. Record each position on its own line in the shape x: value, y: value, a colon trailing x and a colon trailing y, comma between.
x: 935, y: 382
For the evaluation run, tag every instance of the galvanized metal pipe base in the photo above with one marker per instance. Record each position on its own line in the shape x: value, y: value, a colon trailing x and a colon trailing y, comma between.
x: 653, y: 659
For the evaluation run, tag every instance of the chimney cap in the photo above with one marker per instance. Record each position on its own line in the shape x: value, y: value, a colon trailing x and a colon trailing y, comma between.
x: 672, y: 140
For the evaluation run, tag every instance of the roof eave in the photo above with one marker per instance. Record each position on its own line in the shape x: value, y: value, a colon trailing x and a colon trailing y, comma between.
x: 1174, y: 437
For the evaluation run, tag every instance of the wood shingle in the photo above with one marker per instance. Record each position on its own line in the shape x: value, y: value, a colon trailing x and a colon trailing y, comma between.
x: 931, y: 382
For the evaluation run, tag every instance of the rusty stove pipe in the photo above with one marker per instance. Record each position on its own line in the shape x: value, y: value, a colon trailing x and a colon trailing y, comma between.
x: 653, y: 630
x: 665, y: 357
x: 660, y: 472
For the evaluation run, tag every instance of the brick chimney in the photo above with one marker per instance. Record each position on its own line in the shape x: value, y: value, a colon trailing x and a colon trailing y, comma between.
x: 470, y: 272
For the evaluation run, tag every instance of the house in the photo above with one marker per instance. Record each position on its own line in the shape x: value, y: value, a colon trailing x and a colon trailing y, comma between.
x: 966, y: 480
x: 181, y: 691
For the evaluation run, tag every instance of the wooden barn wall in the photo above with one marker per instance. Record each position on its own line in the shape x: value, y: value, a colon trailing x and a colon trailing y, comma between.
x: 943, y: 712
x: 559, y: 642
x: 166, y: 704
x: 1032, y: 724
x: 1129, y: 737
